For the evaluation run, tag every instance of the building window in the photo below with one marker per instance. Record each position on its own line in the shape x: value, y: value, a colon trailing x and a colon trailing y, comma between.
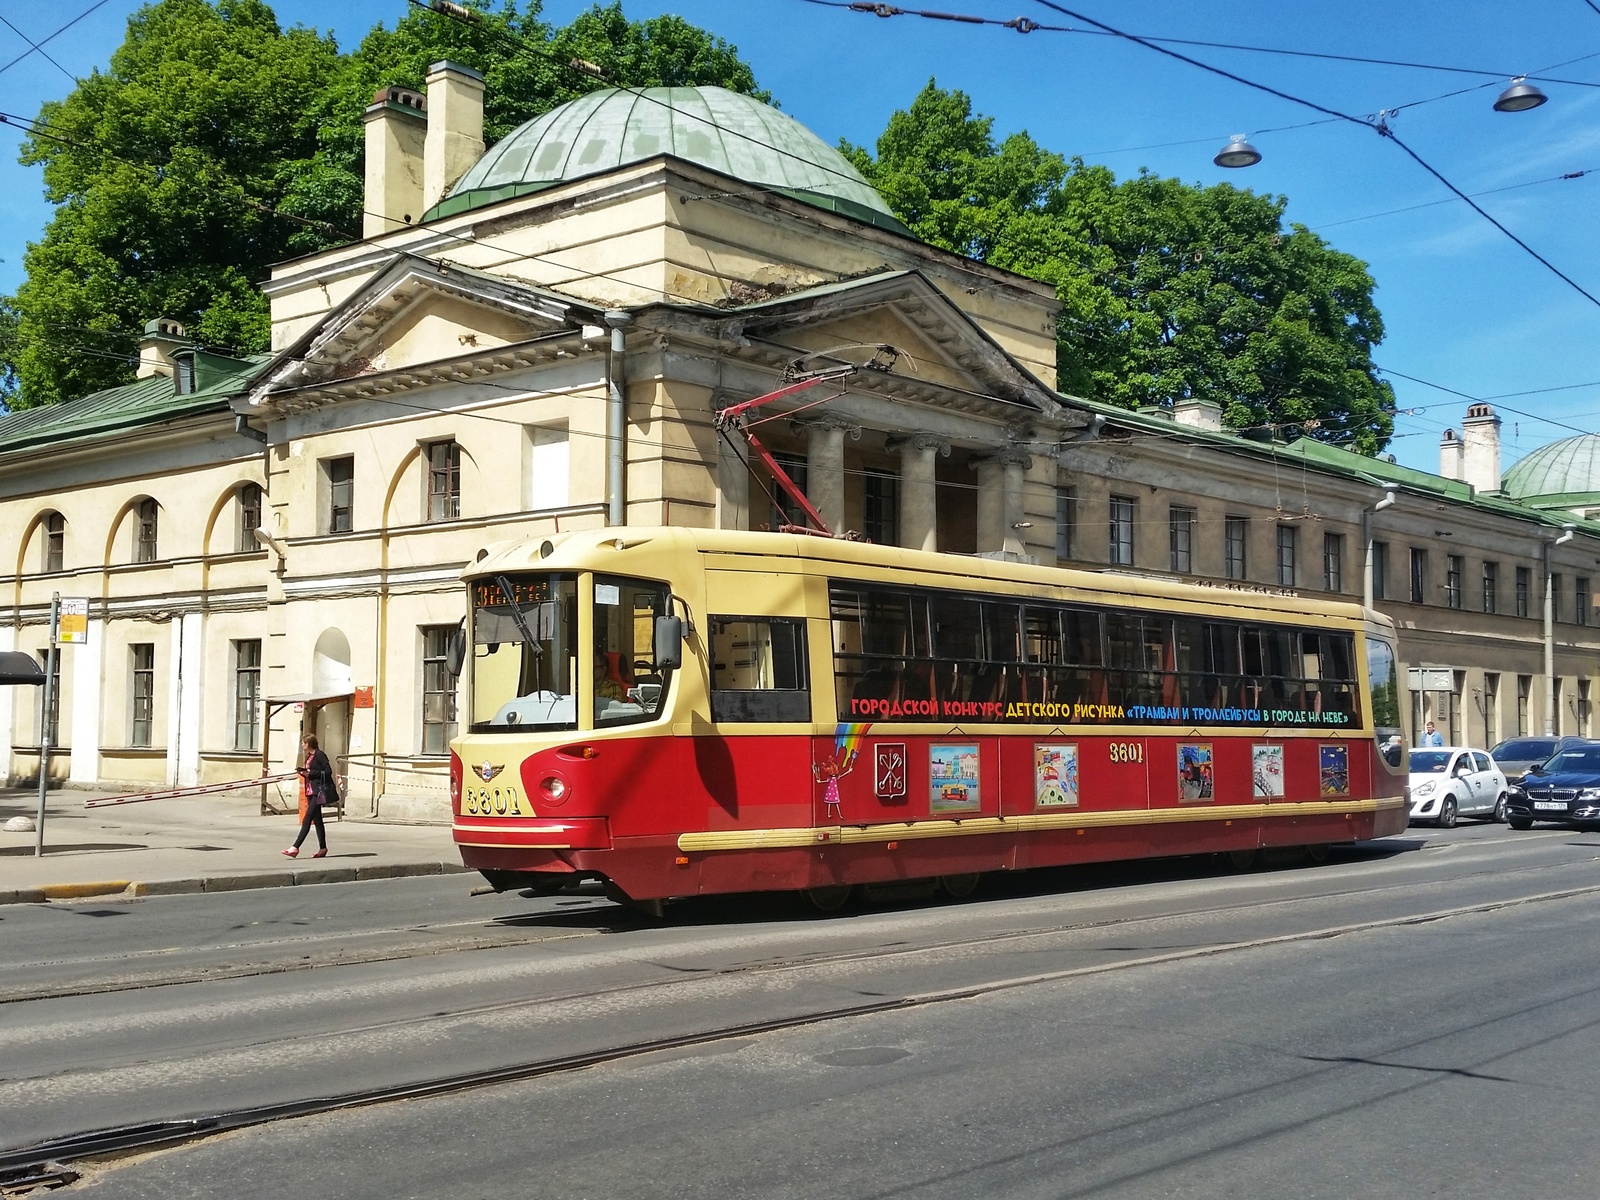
x: 1583, y: 708
x: 1453, y: 570
x: 1235, y: 534
x: 880, y: 507
x: 788, y: 510
x: 1419, y: 576
x: 1491, y: 587
x: 1180, y: 535
x: 1524, y: 686
x: 546, y: 469
x: 249, y: 497
x: 438, y: 690
x: 55, y: 540
x: 1121, y: 546
x: 1288, y: 545
x: 247, y: 694
x: 1333, y: 562
x: 1066, y: 522
x: 1491, y: 709
x: 1557, y: 697
x: 50, y: 663
x: 1580, y: 601
x: 1555, y: 597
x: 144, y: 547
x: 1380, y: 570
x: 1524, y: 586
x: 143, y: 691
x: 340, y: 474
x: 444, y: 481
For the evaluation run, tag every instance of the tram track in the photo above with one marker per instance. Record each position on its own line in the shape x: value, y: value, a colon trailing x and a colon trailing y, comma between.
x: 59, y: 1159
x: 512, y: 938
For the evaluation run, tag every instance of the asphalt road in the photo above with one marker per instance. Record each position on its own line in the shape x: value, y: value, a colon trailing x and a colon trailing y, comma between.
x: 1412, y: 1018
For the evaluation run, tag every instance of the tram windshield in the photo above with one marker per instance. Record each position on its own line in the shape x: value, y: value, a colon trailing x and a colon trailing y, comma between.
x: 1385, y: 676
x: 524, y: 653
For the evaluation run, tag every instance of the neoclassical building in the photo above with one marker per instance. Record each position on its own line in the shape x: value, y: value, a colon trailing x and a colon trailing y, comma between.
x: 538, y: 339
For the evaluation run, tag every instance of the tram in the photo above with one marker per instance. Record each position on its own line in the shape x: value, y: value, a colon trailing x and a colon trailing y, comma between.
x: 681, y: 712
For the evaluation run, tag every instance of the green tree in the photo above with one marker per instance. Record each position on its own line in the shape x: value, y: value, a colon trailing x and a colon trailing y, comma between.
x: 1168, y: 291
x: 165, y: 171
x: 217, y: 143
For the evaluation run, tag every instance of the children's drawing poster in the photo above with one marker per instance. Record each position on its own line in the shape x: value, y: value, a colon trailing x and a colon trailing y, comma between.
x: 1266, y: 772
x: 1055, y: 775
x: 1333, y: 770
x: 1194, y: 771
x: 953, y: 778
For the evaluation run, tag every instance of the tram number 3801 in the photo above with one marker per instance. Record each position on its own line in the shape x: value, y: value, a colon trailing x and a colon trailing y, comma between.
x: 1127, y: 752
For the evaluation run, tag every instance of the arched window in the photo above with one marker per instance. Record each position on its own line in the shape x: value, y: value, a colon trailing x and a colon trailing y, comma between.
x: 54, y: 538
x: 144, y: 532
x: 248, y: 496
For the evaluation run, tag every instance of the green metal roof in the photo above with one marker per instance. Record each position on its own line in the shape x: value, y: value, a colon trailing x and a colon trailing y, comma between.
x: 731, y: 133
x: 1570, y: 467
x: 143, y: 402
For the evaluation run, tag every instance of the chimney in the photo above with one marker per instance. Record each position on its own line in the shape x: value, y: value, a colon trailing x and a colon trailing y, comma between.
x: 396, y: 128
x: 1480, y: 455
x: 455, y: 128
x: 1198, y: 414
x: 1450, y: 455
x: 161, y: 337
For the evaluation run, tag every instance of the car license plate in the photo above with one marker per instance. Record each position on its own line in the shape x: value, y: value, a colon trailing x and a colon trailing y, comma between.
x: 1547, y: 805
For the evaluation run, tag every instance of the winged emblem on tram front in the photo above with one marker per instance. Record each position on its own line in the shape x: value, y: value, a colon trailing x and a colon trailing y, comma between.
x: 487, y: 770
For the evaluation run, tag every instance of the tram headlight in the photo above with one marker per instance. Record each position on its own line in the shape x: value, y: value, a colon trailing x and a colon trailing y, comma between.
x: 554, y: 787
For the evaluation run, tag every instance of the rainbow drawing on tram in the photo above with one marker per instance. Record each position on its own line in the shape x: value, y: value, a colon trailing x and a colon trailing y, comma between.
x: 846, y: 741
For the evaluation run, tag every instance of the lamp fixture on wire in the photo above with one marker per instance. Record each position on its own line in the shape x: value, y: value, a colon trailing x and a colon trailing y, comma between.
x: 1519, y: 97
x: 1237, y: 153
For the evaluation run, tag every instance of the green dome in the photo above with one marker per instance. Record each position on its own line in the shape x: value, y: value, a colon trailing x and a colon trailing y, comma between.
x: 731, y: 133
x: 1570, y: 467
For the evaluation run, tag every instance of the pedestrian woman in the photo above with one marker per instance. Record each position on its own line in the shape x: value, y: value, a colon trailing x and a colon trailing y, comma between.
x: 320, y: 789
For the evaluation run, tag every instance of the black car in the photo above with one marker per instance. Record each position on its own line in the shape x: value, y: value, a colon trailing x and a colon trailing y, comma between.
x: 1565, y: 789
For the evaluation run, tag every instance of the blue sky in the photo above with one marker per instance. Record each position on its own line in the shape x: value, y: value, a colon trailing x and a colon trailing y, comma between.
x: 1464, y: 307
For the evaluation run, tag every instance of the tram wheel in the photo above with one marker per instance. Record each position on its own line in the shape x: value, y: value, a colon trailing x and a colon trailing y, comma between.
x: 1317, y: 853
x: 829, y: 899
x: 959, y: 887
x: 1240, y: 860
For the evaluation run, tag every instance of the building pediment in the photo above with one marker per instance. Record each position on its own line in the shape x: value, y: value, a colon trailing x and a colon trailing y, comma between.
x: 417, y: 318
x: 941, y: 351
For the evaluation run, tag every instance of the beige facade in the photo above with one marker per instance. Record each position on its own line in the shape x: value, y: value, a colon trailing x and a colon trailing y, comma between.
x: 439, y: 387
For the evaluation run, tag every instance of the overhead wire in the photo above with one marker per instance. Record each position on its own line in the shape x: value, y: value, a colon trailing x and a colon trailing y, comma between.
x: 38, y: 47
x: 1025, y: 25
x: 1379, y: 126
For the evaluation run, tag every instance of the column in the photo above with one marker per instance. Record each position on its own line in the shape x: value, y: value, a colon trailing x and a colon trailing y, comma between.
x: 825, y: 468
x: 87, y: 689
x: 733, y: 486
x: 919, y: 519
x: 1000, y: 501
x: 8, y: 641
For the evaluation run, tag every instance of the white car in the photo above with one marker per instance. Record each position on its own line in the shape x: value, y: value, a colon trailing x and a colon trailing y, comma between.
x: 1451, y: 781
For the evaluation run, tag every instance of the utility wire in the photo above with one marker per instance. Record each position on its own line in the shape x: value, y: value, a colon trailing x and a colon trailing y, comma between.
x: 1379, y: 126
x: 1482, y: 400
x: 1025, y: 25
x: 1510, y: 187
x: 38, y: 47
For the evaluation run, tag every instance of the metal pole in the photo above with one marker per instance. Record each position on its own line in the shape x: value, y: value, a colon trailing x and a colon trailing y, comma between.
x: 617, y: 420
x: 44, y: 720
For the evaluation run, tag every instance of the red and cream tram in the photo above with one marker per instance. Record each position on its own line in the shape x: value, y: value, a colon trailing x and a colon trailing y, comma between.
x: 681, y: 712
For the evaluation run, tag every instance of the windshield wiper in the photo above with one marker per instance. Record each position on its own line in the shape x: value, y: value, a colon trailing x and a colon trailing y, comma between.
x: 516, y: 614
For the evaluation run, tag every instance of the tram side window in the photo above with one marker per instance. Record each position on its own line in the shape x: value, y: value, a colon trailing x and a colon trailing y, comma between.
x: 960, y: 672
x: 758, y: 670
x: 627, y: 685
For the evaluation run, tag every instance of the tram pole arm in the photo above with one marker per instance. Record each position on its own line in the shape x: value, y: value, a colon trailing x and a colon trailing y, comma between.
x: 730, y: 418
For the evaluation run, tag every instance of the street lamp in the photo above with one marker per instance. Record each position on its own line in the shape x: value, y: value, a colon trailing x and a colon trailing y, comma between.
x: 1240, y: 153
x: 1519, y: 97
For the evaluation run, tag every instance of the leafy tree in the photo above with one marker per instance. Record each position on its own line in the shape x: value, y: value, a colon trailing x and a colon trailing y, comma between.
x: 217, y: 143
x: 1168, y: 291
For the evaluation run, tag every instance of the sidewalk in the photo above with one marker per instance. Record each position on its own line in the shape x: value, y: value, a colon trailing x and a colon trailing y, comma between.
x: 196, y: 844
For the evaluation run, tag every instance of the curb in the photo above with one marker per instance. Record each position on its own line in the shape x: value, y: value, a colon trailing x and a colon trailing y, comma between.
x: 124, y: 889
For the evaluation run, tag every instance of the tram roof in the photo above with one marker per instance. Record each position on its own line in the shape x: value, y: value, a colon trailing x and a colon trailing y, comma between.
x: 657, y: 551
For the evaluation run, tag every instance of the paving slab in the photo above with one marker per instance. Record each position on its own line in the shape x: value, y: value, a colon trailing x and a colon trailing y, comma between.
x: 195, y: 844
